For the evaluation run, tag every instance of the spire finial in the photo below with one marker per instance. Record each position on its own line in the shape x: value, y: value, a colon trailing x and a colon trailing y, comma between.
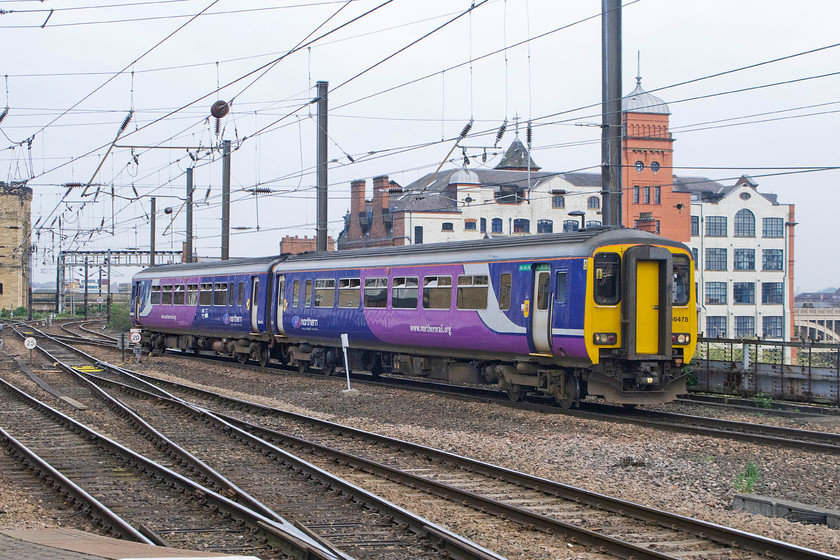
x: 516, y: 124
x: 638, y: 68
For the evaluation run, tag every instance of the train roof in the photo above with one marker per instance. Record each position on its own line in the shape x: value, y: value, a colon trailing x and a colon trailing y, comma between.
x: 568, y: 244
x: 541, y: 246
x: 248, y: 265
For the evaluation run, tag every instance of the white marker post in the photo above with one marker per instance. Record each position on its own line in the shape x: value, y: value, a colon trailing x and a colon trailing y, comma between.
x: 344, y: 344
x: 30, y: 343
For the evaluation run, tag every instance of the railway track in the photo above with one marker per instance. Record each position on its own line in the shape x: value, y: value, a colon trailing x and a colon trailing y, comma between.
x: 134, y: 497
x: 613, y: 526
x: 346, y: 520
x: 543, y: 505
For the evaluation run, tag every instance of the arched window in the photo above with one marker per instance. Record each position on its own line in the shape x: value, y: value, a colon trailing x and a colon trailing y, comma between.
x: 558, y: 201
x: 496, y: 225
x: 521, y: 225
x: 744, y: 223
x: 545, y: 226
x: 571, y: 225
x: 593, y: 203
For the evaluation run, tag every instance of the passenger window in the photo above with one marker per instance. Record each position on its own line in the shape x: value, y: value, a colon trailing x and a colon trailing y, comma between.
x: 560, y: 289
x: 472, y: 292
x: 178, y: 298
x: 241, y: 293
x: 376, y: 292
x: 682, y: 279
x: 404, y: 293
x: 324, y: 293
x: 607, y: 278
x: 296, y: 293
x: 504, y: 291
x: 437, y: 292
x: 231, y: 296
x: 155, y: 298
x: 220, y: 296
x: 308, y: 294
x: 192, y: 294
x: 166, y: 295
x: 543, y: 287
x: 205, y: 297
x: 281, y: 292
x: 349, y: 292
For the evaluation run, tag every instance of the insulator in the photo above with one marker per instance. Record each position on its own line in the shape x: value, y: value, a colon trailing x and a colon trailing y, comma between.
x: 126, y: 121
x: 136, y: 194
x: 466, y: 129
x: 484, y: 157
x: 218, y: 126
x: 500, y: 133
x: 351, y: 158
x: 529, y: 134
x: 3, y: 114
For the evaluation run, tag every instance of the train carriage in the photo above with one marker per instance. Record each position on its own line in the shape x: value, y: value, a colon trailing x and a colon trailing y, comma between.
x: 607, y: 312
x: 216, y: 305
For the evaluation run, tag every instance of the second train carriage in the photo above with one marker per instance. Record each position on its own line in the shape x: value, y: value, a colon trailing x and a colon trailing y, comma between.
x: 606, y: 312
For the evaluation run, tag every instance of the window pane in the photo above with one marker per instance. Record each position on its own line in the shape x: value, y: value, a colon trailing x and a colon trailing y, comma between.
x: 307, y: 301
x: 744, y: 223
x: 743, y: 292
x: 504, y: 291
x: 324, y: 292
x: 192, y: 294
x: 296, y: 293
x: 404, y: 293
x: 472, y: 292
x: 772, y: 292
x: 220, y: 295
x: 349, y: 292
x: 695, y: 225
x: 607, y: 278
x: 715, y: 259
x: 772, y: 227
x: 376, y: 292
x: 179, y: 295
x: 155, y: 298
x: 716, y: 226
x: 772, y: 259
x: 716, y: 293
x: 772, y: 327
x: 437, y: 292
x: 166, y: 295
x: 241, y: 293
x: 560, y: 290
x: 543, y: 285
x: 682, y: 279
x: 715, y: 327
x: 744, y: 259
x: 206, y: 295
x: 744, y: 326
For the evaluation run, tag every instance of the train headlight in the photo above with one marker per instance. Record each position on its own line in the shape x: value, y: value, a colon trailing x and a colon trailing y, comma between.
x: 680, y: 338
x: 605, y: 338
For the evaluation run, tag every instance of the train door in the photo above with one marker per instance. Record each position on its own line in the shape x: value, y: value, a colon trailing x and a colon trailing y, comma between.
x: 281, y: 303
x: 255, y: 291
x: 541, y: 309
x: 648, y: 297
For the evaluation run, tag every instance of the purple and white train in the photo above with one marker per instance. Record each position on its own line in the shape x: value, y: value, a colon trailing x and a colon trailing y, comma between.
x: 608, y: 312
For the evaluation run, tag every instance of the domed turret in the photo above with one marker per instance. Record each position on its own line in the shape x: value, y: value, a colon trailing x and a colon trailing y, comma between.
x: 640, y: 101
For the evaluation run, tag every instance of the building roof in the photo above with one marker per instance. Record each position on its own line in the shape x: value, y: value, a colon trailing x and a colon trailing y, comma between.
x: 640, y: 101
x: 517, y: 158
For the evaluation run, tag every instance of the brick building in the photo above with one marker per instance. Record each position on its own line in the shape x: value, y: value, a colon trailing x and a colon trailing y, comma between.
x: 15, y: 229
x: 295, y: 245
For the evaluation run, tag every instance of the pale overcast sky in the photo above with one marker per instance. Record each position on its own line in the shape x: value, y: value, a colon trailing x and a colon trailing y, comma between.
x: 65, y: 92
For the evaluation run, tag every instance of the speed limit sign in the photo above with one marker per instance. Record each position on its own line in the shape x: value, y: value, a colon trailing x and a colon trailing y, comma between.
x: 30, y: 343
x: 134, y: 337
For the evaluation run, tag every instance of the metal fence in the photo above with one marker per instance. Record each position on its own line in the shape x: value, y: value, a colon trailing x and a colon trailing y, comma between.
x: 797, y: 371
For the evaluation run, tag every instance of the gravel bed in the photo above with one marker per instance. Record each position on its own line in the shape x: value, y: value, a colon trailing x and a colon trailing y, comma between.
x: 690, y: 475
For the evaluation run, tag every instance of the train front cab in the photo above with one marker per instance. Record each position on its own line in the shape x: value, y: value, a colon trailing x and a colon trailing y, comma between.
x: 642, y: 327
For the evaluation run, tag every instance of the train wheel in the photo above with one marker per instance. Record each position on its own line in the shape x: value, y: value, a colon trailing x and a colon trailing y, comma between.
x: 302, y: 366
x: 242, y: 358
x: 570, y: 393
x: 262, y: 355
x: 515, y: 392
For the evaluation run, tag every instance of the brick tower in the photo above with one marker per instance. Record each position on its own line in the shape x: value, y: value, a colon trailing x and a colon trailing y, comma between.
x: 647, y: 163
